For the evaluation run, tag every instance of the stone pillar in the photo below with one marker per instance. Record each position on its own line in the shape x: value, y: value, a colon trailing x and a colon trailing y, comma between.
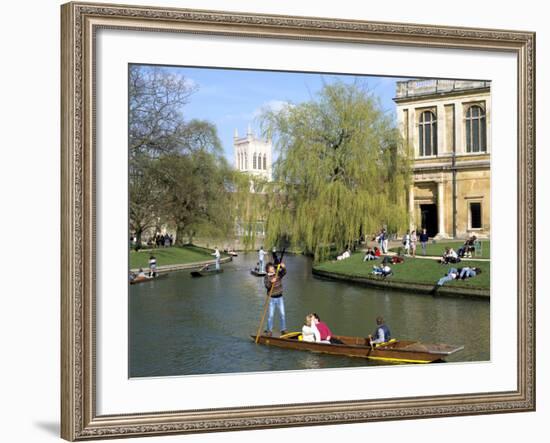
x: 441, y: 209
x: 411, y: 207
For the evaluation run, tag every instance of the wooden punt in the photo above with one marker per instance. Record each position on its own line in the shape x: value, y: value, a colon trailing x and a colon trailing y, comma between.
x: 146, y: 279
x: 395, y: 351
x: 206, y: 273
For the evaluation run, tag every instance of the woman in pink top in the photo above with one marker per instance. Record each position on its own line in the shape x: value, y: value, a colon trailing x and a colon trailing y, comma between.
x: 324, y: 331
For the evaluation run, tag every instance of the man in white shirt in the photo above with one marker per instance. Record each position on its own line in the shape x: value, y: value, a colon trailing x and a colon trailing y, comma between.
x: 261, y: 259
x: 217, y: 255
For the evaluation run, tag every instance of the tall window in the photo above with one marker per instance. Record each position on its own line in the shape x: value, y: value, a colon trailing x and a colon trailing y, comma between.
x: 427, y: 134
x: 476, y: 132
x: 265, y: 162
x: 475, y: 215
x: 254, y: 161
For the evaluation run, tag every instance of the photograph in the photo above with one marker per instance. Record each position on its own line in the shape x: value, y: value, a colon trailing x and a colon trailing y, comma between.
x: 288, y: 221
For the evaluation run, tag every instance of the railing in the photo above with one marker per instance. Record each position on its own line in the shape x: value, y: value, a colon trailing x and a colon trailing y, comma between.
x: 412, y: 88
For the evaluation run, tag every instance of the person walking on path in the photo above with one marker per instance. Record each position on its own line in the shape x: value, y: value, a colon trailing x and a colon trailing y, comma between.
x: 424, y: 240
x: 414, y: 240
x: 261, y: 259
x: 407, y: 243
x: 217, y: 255
x: 274, y: 286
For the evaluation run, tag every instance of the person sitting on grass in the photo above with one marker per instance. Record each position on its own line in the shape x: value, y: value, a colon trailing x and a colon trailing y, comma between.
x: 468, y: 247
x: 324, y: 331
x: 381, y: 334
x: 369, y: 255
x: 452, y: 274
x: 383, y: 270
x: 468, y: 272
x: 377, y: 252
x: 450, y: 256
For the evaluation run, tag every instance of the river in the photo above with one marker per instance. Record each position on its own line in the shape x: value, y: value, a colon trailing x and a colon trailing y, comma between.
x: 181, y: 325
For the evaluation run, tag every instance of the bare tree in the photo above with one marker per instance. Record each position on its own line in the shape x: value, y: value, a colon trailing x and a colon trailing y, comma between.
x: 156, y: 100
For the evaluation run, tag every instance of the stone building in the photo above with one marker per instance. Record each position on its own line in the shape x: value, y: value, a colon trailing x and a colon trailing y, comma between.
x: 253, y: 155
x: 446, y: 125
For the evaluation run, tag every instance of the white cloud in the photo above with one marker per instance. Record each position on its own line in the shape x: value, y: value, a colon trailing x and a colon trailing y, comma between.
x: 272, y: 105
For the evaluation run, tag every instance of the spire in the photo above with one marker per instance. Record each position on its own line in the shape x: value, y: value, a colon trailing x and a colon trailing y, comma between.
x: 236, y: 135
x: 249, y: 132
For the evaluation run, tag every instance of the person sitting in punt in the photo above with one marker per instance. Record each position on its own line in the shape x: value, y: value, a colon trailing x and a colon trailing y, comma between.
x: 381, y: 334
x: 324, y: 331
x: 310, y: 333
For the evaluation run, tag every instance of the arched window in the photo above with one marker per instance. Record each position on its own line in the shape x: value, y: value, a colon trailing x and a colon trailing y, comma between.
x: 476, y: 129
x: 245, y: 165
x: 265, y: 162
x: 427, y: 134
x: 254, y: 161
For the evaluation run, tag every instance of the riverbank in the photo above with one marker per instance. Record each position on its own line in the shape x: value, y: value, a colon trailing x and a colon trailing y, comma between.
x: 174, y: 258
x: 415, y: 275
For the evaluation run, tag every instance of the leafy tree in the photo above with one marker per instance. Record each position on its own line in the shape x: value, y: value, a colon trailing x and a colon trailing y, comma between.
x: 177, y: 173
x: 144, y: 195
x: 194, y: 194
x: 341, y: 172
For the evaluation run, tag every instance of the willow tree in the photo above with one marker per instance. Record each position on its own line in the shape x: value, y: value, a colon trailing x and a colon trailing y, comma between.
x: 341, y: 171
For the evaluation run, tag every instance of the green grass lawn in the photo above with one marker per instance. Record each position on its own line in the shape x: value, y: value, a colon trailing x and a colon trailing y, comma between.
x: 413, y: 270
x: 437, y: 248
x: 170, y: 256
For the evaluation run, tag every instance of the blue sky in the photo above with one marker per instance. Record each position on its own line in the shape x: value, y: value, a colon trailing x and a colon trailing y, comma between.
x: 231, y: 99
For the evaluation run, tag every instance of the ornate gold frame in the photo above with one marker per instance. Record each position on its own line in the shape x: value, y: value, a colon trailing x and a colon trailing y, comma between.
x: 79, y: 420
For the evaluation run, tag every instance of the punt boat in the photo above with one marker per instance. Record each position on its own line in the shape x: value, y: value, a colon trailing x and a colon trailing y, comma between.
x: 257, y: 273
x: 146, y: 279
x: 393, y: 351
x: 206, y: 272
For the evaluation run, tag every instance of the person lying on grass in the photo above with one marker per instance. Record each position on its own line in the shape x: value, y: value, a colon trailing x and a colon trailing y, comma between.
x: 468, y: 272
x: 383, y: 270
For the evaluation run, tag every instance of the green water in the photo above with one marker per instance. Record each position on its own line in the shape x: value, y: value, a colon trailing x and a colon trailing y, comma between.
x: 181, y: 325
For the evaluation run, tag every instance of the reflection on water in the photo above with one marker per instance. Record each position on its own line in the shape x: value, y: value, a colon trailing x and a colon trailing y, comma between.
x: 181, y: 325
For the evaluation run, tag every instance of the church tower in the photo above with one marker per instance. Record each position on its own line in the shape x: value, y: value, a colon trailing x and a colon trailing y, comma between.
x: 253, y: 155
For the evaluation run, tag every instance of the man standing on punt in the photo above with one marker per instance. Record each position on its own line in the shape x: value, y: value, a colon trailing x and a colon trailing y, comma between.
x: 261, y: 259
x: 274, y: 285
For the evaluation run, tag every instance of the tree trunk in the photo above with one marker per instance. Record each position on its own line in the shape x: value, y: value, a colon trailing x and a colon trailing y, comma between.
x: 139, y: 232
x: 180, y: 235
